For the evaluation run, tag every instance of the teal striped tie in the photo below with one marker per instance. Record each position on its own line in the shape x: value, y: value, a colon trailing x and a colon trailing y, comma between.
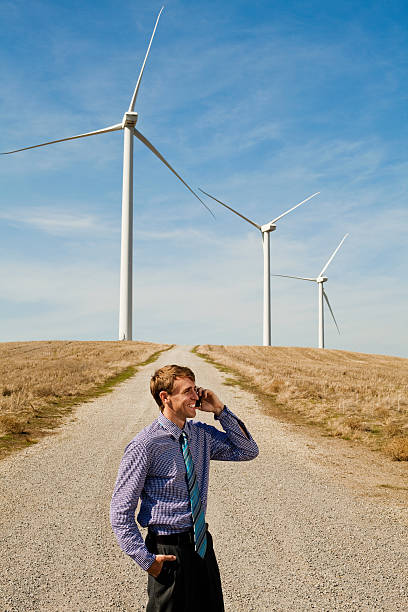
x: 200, y: 535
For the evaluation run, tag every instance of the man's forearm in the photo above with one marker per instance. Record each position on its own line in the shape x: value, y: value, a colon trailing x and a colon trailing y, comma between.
x: 217, y: 413
x: 131, y: 542
x: 216, y: 405
x: 235, y: 443
x: 129, y: 484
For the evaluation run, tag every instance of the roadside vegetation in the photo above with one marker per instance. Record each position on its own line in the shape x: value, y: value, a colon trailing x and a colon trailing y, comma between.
x: 40, y: 382
x: 354, y: 396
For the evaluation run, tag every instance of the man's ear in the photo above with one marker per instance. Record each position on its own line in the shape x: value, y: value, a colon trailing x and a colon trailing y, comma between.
x: 163, y: 396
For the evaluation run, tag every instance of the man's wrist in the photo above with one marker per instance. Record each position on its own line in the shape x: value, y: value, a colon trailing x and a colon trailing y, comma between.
x: 152, y: 566
x: 218, y: 410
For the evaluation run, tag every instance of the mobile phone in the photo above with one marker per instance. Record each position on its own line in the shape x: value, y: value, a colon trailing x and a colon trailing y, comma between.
x: 198, y: 402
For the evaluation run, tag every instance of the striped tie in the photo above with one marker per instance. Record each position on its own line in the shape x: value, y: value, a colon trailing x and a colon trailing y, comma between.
x: 200, y: 535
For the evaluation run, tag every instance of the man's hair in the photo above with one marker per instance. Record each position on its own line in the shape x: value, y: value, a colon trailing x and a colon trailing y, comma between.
x: 163, y: 380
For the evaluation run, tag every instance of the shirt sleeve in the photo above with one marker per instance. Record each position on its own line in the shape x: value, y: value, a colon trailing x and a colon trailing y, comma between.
x: 128, y: 488
x: 232, y: 444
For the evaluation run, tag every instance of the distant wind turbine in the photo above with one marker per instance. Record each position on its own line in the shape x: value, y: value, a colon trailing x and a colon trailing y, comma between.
x: 128, y: 126
x: 265, y: 231
x: 322, y: 294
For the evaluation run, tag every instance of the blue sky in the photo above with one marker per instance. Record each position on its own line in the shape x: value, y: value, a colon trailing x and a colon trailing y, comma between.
x: 259, y: 103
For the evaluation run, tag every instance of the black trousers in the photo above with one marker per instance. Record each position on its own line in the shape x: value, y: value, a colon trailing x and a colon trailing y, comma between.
x: 189, y: 584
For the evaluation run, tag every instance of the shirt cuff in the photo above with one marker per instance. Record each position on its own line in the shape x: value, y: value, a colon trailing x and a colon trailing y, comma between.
x: 225, y: 409
x: 146, y: 561
x: 227, y: 416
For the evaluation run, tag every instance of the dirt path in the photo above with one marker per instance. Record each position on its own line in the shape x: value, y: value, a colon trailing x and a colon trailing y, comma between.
x: 293, y: 530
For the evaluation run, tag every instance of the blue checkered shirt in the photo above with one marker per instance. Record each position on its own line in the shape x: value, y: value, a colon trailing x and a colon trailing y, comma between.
x: 153, y: 470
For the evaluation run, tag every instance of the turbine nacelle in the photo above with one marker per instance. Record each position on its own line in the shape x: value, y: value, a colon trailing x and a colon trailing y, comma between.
x: 321, y: 279
x: 268, y: 227
x: 129, y: 119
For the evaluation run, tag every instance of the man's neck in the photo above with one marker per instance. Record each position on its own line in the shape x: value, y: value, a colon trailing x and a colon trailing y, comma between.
x: 173, y: 418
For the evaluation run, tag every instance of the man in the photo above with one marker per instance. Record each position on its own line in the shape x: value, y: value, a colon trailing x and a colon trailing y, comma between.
x: 167, y: 466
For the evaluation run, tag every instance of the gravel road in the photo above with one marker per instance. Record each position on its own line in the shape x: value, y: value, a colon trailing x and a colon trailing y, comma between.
x: 292, y: 532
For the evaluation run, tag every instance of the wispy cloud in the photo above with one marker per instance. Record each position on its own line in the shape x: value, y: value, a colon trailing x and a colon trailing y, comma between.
x: 57, y: 222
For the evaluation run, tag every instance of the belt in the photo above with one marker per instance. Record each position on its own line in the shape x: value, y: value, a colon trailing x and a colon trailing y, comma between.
x: 184, y: 537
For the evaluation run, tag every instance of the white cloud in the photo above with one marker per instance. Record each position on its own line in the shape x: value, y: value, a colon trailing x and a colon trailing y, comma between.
x: 56, y: 222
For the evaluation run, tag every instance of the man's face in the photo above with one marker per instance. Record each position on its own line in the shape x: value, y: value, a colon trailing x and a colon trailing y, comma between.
x: 180, y: 403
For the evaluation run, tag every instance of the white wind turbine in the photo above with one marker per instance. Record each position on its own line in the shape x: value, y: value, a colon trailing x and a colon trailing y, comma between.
x: 265, y: 231
x: 128, y: 126
x: 322, y: 294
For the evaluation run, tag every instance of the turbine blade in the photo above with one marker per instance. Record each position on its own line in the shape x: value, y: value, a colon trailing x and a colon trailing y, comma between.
x: 333, y: 254
x: 328, y: 303
x: 111, y: 128
x: 132, y: 102
x: 293, y: 207
x: 166, y: 163
x: 231, y: 209
x: 298, y: 277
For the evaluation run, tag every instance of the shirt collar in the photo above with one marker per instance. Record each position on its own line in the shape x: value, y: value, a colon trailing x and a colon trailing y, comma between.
x: 173, y: 429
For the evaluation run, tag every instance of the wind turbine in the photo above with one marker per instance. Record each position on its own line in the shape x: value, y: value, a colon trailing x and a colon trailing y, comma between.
x: 322, y: 294
x: 128, y: 126
x: 265, y: 231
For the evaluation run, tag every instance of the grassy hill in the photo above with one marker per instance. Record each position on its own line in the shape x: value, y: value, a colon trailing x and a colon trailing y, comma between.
x: 41, y: 381
x: 354, y: 396
x: 350, y: 395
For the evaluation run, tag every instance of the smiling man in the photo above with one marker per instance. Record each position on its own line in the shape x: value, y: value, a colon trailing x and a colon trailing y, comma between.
x: 167, y: 466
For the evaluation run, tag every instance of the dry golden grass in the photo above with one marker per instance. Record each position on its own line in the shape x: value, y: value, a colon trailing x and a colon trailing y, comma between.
x: 351, y: 395
x: 40, y: 381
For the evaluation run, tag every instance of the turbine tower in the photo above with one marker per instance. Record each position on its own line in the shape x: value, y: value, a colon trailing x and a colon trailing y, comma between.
x: 128, y: 125
x: 322, y: 294
x: 265, y: 231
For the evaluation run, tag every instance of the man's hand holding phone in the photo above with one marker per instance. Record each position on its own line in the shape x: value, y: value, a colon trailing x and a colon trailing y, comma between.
x: 208, y: 401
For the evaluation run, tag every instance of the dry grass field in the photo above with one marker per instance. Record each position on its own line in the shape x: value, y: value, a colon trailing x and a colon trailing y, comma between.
x: 41, y: 381
x: 351, y: 395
